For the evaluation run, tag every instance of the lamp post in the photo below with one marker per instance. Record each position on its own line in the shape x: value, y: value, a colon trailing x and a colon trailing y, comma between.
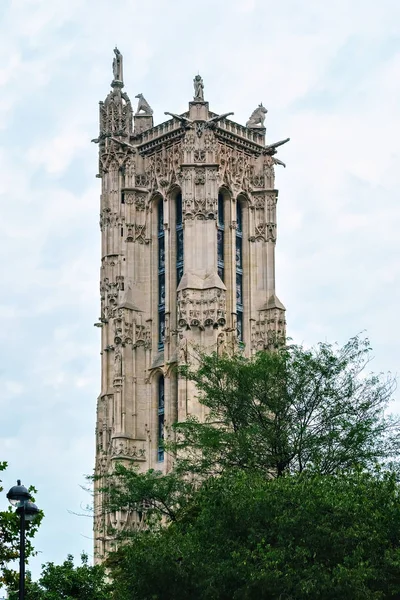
x: 19, y: 497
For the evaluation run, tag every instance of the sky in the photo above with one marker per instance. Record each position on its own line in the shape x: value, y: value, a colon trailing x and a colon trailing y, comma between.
x: 329, y: 75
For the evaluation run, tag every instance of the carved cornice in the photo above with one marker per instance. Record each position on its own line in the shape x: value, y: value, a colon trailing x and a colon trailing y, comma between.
x: 236, y: 141
x: 147, y: 148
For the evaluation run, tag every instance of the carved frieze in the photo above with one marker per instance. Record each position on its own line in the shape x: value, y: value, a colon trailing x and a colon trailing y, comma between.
x: 268, y: 328
x: 110, y: 219
x: 126, y: 448
x: 111, y: 260
x: 123, y: 332
x: 111, y: 288
x: 201, y: 308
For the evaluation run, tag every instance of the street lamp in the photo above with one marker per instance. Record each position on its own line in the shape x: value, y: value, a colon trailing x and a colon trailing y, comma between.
x: 19, y: 497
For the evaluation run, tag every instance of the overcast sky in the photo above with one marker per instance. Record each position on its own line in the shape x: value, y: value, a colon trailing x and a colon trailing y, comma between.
x: 329, y: 74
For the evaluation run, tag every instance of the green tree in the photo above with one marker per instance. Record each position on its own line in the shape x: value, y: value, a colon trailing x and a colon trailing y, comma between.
x: 289, y: 410
x: 67, y: 582
x: 282, y: 411
x: 278, y: 494
x: 9, y: 539
x: 303, y: 536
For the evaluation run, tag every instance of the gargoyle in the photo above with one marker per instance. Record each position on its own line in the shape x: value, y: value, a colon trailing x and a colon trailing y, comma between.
x: 186, y: 123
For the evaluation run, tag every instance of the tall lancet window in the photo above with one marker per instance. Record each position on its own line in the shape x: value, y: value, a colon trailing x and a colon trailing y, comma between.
x: 161, y: 275
x: 220, y: 237
x: 179, y: 239
x: 161, y: 415
x: 239, y: 271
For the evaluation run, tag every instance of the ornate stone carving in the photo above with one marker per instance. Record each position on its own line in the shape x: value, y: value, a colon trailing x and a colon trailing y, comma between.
x: 189, y: 141
x: 136, y: 233
x: 163, y: 168
x: 110, y: 260
x: 126, y: 448
x: 235, y: 168
x: 111, y: 288
x: 199, y: 208
x: 199, y: 155
x: 257, y: 117
x: 117, y: 66
x: 129, y: 169
x: 200, y: 176
x: 199, y: 128
x: 198, y: 88
x: 115, y: 116
x: 144, y: 107
x: 268, y: 328
x: 110, y: 219
x: 117, y: 363
x: 202, y: 308
x: 257, y: 181
x: 123, y: 331
x: 141, y: 180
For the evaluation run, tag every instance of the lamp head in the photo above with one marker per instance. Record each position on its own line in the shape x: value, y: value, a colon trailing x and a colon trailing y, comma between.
x: 17, y: 494
x: 31, y: 511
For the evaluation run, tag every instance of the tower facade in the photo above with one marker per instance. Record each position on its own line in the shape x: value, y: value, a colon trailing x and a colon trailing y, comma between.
x: 188, y: 234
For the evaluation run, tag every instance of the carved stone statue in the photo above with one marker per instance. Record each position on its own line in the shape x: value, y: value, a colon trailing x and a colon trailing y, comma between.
x: 198, y: 88
x: 143, y: 106
x: 117, y: 363
x: 117, y: 65
x: 257, y: 117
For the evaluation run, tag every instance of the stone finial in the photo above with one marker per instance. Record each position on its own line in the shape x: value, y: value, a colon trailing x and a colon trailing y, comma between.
x: 198, y: 88
x: 257, y: 117
x: 118, y: 80
x: 144, y: 107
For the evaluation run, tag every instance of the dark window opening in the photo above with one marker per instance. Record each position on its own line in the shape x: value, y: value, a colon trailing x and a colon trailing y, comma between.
x: 161, y: 275
x: 179, y: 239
x: 239, y: 271
x: 220, y: 237
x: 161, y: 416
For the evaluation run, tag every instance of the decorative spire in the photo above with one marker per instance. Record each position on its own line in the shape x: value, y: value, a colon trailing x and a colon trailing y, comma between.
x: 118, y: 80
x: 198, y: 89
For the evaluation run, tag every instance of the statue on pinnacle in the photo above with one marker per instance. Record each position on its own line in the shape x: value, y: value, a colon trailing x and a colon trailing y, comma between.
x: 198, y: 88
x: 117, y: 66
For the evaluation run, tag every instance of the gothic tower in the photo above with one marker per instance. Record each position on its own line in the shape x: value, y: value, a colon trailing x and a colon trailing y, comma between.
x: 188, y: 234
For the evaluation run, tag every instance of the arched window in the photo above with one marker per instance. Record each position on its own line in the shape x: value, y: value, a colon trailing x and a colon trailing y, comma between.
x: 160, y: 423
x: 161, y: 275
x: 239, y: 271
x: 220, y: 237
x: 179, y: 239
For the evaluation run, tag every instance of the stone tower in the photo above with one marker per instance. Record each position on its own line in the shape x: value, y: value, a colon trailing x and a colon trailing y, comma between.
x: 188, y: 230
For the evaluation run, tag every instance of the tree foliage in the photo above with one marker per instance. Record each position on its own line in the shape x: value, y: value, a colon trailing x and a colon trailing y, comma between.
x: 285, y: 491
x: 330, y: 537
x: 67, y: 582
x: 9, y: 539
x: 289, y: 410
